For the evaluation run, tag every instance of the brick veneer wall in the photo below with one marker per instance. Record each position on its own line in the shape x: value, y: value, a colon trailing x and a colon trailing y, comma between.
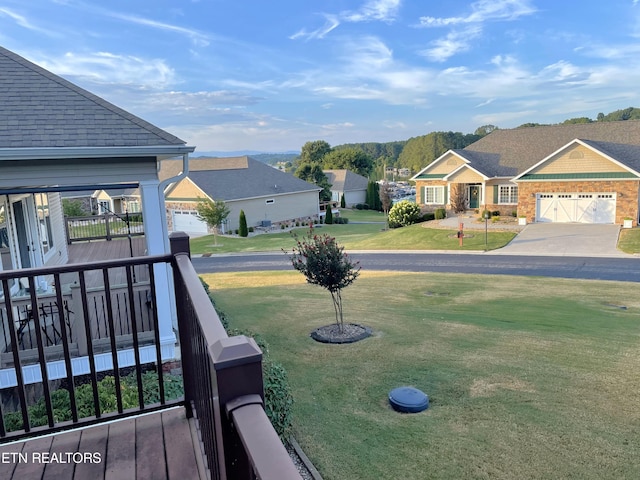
x: 626, y: 199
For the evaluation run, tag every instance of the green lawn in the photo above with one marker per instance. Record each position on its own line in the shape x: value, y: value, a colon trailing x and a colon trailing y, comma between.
x: 366, y: 236
x: 355, y: 215
x: 529, y: 378
x: 629, y: 241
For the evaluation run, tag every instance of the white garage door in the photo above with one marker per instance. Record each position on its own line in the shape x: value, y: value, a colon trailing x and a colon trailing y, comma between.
x: 188, y: 221
x: 576, y: 207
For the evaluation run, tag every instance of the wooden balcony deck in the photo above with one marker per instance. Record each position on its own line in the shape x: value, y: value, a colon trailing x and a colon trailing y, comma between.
x: 154, y: 446
x: 98, y: 250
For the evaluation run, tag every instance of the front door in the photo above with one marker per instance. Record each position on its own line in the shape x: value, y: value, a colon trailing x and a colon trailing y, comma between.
x: 24, y: 234
x: 474, y: 196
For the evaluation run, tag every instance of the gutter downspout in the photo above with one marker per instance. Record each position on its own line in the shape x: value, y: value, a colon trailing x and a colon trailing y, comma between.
x: 165, y: 235
x: 161, y: 188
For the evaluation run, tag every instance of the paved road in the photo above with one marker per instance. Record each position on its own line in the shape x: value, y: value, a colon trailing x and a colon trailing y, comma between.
x: 622, y: 269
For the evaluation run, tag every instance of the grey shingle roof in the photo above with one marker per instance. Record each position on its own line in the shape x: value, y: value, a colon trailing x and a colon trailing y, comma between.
x: 346, y: 180
x: 40, y: 109
x: 507, y: 153
x: 243, y: 177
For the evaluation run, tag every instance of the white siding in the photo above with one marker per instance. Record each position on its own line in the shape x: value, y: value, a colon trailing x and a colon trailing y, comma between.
x: 77, y: 171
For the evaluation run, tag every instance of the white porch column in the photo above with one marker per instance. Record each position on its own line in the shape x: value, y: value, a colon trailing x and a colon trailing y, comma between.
x: 155, y: 231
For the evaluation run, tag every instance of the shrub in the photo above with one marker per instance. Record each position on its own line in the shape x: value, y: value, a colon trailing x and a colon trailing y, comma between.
x: 440, y: 213
x: 328, y: 218
x: 341, y: 220
x: 244, y: 231
x: 514, y: 213
x: 251, y: 229
x: 404, y: 213
x: 495, y: 213
x: 365, y: 206
x: 297, y: 224
x: 61, y: 403
x: 277, y: 392
x: 343, y: 203
x: 428, y: 216
x: 359, y: 206
x: 73, y: 208
x: 282, y: 226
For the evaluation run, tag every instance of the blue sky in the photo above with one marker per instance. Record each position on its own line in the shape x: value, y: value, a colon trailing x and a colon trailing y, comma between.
x: 229, y: 75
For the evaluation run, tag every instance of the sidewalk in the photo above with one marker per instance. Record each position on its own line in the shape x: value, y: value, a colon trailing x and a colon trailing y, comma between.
x: 471, y: 223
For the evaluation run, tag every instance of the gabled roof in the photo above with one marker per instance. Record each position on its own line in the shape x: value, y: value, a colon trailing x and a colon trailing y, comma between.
x: 511, y: 152
x: 626, y: 157
x: 346, y: 180
x: 43, y: 110
x: 237, y: 178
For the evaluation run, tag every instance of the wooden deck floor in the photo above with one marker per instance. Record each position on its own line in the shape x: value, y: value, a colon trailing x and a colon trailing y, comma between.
x: 102, y: 250
x: 98, y: 250
x: 156, y: 446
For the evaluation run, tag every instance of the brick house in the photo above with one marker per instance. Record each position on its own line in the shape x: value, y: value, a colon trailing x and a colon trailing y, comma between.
x: 587, y: 173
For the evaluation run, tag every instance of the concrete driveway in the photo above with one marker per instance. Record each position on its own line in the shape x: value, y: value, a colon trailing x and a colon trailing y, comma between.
x: 565, y: 239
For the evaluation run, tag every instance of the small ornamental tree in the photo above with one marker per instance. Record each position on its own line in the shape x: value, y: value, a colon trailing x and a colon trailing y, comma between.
x: 343, y: 203
x: 404, y: 213
x: 386, y: 199
x: 328, y: 218
x: 243, y: 231
x: 73, y: 208
x: 214, y: 212
x: 324, y: 263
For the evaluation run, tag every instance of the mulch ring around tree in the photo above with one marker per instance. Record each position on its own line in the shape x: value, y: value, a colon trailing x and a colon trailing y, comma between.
x: 351, y: 332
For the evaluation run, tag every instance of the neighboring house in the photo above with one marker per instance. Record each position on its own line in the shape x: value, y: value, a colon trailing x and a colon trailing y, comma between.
x: 588, y: 173
x: 56, y: 137
x: 349, y: 184
x: 266, y: 195
x: 99, y: 202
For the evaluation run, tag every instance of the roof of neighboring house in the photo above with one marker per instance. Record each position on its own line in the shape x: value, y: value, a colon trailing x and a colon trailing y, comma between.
x: 237, y: 178
x: 113, y: 193
x: 40, y: 109
x: 506, y: 153
x: 346, y: 180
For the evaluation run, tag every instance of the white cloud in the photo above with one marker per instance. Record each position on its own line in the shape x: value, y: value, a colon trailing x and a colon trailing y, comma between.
x: 198, y: 38
x: 378, y: 10
x: 23, y: 21
x: 482, y: 11
x: 331, y: 23
x: 373, y: 10
x: 452, y: 44
x: 104, y: 68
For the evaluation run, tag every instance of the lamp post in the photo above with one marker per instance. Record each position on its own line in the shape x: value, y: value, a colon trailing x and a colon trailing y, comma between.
x: 486, y: 214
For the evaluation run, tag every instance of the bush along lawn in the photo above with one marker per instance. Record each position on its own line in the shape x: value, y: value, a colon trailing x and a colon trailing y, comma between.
x: 173, y: 388
x: 278, y: 399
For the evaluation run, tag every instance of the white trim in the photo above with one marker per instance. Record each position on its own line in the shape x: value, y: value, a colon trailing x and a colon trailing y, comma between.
x: 484, y: 177
x: 441, y: 188
x: 436, y: 161
x: 80, y: 365
x: 55, y: 153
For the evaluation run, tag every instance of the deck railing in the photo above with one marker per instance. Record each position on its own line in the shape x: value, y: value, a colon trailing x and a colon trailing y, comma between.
x: 223, y: 386
x: 71, y: 342
x: 103, y: 227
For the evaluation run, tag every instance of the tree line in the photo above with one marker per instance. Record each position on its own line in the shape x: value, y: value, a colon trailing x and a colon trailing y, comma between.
x: 371, y: 158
